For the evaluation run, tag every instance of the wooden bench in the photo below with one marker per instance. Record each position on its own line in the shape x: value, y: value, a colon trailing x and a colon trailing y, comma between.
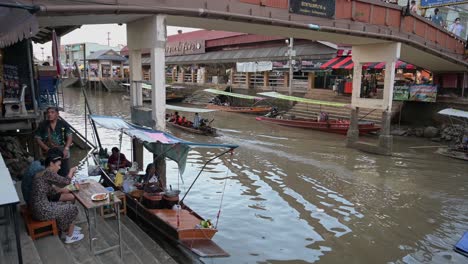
x: 32, y: 226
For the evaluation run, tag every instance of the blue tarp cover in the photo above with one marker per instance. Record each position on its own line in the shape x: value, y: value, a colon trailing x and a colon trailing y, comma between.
x: 156, y: 141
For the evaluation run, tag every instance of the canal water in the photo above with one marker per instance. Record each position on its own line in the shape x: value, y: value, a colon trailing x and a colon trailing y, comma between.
x: 300, y: 196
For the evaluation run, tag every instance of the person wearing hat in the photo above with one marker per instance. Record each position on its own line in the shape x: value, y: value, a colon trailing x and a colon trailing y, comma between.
x: 54, y: 132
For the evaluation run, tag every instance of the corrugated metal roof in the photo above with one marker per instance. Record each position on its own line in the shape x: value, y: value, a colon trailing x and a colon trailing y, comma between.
x: 310, y: 51
x: 101, y: 55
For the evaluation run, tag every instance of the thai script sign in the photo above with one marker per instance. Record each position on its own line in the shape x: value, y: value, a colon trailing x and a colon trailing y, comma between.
x: 401, y: 93
x: 433, y: 3
x: 320, y: 8
x: 423, y: 93
x: 185, y: 47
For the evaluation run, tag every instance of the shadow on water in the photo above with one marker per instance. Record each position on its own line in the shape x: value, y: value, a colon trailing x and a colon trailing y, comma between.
x: 299, y: 196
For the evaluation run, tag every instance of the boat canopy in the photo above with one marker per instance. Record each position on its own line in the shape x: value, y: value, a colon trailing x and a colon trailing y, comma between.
x: 300, y: 99
x: 157, y: 142
x: 243, y: 96
x: 454, y: 112
x: 189, y: 109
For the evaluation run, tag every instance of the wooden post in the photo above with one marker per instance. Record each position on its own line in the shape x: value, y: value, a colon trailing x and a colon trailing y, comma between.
x: 286, y: 79
x: 174, y: 74
x: 266, y: 79
x: 138, y: 153
x: 192, y: 75
x: 310, y: 81
x: 231, y: 75
x: 247, y: 79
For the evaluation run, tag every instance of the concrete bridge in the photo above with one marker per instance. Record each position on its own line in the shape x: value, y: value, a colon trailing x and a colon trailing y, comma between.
x: 378, y: 32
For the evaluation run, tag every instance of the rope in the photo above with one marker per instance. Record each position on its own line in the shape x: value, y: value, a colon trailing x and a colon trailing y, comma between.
x: 221, y: 203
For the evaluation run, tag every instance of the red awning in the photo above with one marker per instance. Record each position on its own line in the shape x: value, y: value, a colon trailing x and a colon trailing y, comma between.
x: 339, y: 63
x: 346, y: 62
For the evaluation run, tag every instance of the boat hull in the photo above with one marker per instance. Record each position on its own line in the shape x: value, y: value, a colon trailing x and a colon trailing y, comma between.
x: 453, y: 153
x: 332, y: 126
x: 212, y: 133
x: 245, y: 110
x: 179, y: 226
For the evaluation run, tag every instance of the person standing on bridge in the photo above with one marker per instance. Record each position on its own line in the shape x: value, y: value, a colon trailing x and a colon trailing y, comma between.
x: 55, y: 132
x: 437, y: 19
x: 413, y: 7
x: 456, y: 28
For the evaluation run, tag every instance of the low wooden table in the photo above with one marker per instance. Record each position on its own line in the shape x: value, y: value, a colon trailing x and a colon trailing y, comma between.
x: 84, y: 197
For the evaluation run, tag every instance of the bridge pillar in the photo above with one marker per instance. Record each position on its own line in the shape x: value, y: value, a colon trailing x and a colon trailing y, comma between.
x: 136, y: 75
x: 150, y: 32
x: 352, y: 135
x: 388, y: 53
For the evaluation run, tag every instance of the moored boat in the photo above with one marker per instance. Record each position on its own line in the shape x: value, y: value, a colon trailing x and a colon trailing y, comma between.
x: 227, y: 107
x: 170, y: 217
x: 240, y: 109
x: 332, y: 126
x: 327, y: 125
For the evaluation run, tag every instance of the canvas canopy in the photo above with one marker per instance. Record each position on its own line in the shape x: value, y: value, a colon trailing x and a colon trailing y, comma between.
x: 189, y: 109
x: 454, y: 112
x: 244, y: 96
x: 300, y: 99
x: 157, y: 142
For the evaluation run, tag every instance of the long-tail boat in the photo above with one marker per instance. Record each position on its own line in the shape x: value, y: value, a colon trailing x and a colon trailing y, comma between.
x: 205, y: 127
x: 180, y: 224
x: 331, y: 126
x: 459, y: 151
x: 255, y: 108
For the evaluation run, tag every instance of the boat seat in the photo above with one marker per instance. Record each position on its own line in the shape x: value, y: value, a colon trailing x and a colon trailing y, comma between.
x: 15, y: 106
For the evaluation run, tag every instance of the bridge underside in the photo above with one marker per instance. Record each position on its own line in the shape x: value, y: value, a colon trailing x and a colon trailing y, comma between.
x: 417, y: 56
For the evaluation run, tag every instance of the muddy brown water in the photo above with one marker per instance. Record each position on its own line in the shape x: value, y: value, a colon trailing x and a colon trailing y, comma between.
x: 300, y: 196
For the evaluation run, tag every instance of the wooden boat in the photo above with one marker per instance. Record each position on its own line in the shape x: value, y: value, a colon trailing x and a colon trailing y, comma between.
x: 332, y: 126
x: 207, y: 132
x: 239, y: 109
x: 181, y: 226
x: 453, y: 153
x: 458, y: 152
x: 254, y: 109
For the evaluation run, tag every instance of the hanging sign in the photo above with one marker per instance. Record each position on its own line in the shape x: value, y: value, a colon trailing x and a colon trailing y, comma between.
x: 401, y: 93
x: 423, y: 93
x: 320, y: 8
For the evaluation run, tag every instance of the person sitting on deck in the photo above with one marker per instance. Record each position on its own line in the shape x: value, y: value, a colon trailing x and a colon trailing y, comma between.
x: 113, y: 160
x: 42, y: 209
x: 182, y: 121
x: 196, y: 121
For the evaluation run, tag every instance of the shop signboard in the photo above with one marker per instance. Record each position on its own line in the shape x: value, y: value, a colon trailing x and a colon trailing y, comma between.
x: 185, y: 47
x: 319, y: 8
x: 434, y: 3
x: 423, y: 93
x: 401, y: 93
